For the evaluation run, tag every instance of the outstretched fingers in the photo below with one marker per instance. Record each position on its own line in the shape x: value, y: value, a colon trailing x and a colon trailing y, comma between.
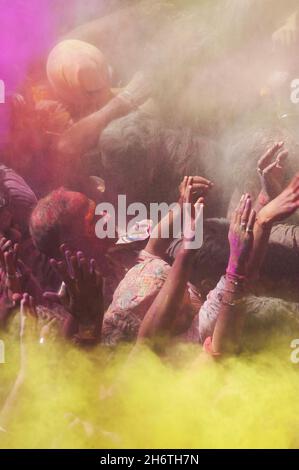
x: 267, y: 158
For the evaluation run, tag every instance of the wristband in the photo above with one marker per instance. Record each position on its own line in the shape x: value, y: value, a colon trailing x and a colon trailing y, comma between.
x: 207, y: 347
x: 234, y: 278
x: 262, y: 199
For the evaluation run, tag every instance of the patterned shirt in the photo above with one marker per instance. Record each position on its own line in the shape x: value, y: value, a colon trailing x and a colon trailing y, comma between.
x: 133, y: 297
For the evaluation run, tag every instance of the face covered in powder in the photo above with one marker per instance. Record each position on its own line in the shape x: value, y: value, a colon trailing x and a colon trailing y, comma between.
x: 79, y: 75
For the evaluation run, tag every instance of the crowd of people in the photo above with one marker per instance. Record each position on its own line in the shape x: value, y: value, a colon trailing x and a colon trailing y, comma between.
x: 85, y: 132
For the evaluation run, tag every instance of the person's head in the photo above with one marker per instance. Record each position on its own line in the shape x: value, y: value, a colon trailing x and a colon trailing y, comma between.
x: 64, y: 217
x: 279, y: 272
x: 17, y: 201
x: 210, y: 261
x: 79, y: 75
x: 130, y: 148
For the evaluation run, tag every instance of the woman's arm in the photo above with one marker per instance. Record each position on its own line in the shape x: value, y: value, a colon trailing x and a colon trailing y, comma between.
x: 283, y: 206
x: 246, y: 256
x: 81, y: 294
x: 161, y: 316
x: 271, y: 171
x: 170, y: 226
x: 162, y: 312
x: 229, y: 321
x: 84, y: 135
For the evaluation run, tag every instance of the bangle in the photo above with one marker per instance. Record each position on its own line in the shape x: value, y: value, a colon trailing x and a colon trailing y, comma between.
x: 207, y: 347
x: 234, y: 303
x: 235, y: 279
x: 230, y: 291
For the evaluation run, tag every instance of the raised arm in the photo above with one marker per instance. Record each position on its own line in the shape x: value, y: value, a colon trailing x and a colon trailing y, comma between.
x: 162, y: 314
x: 270, y: 169
x: 81, y: 295
x: 84, y: 134
x: 158, y: 242
x: 278, y: 209
x: 283, y: 206
x: 229, y: 321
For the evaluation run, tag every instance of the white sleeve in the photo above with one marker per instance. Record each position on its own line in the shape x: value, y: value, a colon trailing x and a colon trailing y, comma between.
x: 208, y: 313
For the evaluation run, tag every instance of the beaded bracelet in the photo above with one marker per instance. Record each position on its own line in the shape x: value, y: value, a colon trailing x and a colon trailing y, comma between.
x: 227, y: 303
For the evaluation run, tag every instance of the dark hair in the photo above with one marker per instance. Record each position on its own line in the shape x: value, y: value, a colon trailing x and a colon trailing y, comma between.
x: 134, y: 159
x: 17, y: 196
x: 128, y: 139
x: 52, y: 220
x: 281, y: 262
x: 210, y: 261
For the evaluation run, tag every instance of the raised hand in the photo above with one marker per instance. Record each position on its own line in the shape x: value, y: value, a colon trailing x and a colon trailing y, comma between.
x: 81, y: 293
x: 192, y: 215
x: 240, y: 236
x: 270, y: 169
x: 199, y: 188
x: 229, y: 323
x: 282, y: 206
x: 137, y: 91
